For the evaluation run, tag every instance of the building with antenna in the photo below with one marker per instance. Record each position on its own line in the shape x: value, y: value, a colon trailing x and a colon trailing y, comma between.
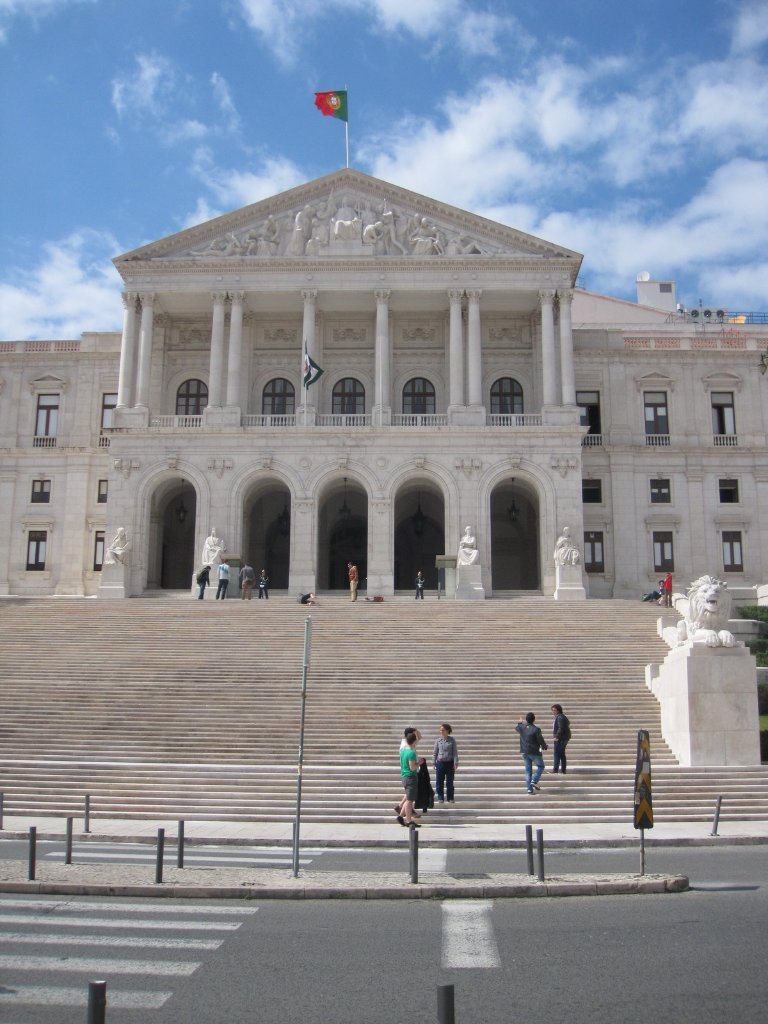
x: 466, y: 380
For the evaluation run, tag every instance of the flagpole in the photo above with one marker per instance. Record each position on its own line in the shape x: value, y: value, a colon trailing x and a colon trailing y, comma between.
x: 346, y: 124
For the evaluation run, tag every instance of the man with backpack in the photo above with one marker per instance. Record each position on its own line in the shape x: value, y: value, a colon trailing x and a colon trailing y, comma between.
x: 562, y: 733
x: 531, y: 744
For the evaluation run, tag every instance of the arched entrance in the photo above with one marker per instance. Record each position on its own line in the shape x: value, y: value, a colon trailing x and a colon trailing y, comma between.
x: 267, y: 531
x: 514, y: 536
x: 171, y: 562
x: 342, y: 534
x: 419, y: 533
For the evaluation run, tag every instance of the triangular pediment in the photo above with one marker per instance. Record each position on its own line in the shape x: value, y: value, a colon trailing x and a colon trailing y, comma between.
x: 346, y: 214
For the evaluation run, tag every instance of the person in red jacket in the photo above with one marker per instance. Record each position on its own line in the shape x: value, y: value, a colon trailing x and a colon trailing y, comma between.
x: 667, y: 595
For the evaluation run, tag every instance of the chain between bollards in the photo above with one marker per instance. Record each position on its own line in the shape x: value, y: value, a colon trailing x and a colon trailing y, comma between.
x: 540, y: 852
x: 32, y: 853
x: 160, y: 850
x: 445, y: 1005
x: 68, y: 846
x: 716, y: 820
x: 180, y: 847
x: 97, y: 1002
x: 413, y: 850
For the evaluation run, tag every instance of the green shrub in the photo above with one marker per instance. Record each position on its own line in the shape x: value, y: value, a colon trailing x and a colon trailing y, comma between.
x: 752, y: 611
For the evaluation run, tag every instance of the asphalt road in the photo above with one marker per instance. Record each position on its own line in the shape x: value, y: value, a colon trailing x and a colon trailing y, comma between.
x: 683, y: 958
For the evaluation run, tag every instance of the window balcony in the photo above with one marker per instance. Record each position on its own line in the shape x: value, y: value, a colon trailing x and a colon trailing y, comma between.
x: 344, y: 419
x: 592, y: 441
x: 514, y: 419
x: 44, y: 441
x: 270, y: 420
x: 420, y: 419
x: 725, y: 440
x: 657, y: 440
x: 176, y: 422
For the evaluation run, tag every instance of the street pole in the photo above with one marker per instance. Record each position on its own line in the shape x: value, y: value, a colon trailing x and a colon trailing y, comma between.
x: 300, y: 766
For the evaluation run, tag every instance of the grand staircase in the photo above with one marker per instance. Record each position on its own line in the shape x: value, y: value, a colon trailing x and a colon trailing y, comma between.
x: 175, y: 708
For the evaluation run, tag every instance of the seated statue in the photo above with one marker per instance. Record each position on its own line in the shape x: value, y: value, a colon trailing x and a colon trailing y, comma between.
x: 566, y: 552
x: 468, y: 553
x: 117, y: 552
x: 213, y: 549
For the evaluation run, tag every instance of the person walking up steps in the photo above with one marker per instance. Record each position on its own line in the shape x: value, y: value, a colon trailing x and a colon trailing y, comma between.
x: 409, y: 773
x: 531, y: 744
x: 561, y: 730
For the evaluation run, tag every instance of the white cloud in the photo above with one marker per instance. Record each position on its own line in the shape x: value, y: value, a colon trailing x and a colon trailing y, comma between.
x: 35, y: 10
x: 750, y: 29
x: 235, y: 188
x: 226, y: 105
x: 147, y: 90
x: 73, y: 288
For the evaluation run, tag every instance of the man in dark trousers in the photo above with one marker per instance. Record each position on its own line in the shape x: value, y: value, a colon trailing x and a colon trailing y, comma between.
x: 264, y: 585
x: 561, y: 730
x: 531, y: 744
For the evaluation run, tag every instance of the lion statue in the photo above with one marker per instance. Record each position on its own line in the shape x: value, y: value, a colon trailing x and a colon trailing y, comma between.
x: 706, y: 614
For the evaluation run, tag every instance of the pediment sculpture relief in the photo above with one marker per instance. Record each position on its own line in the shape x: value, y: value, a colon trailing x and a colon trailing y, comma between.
x: 348, y: 224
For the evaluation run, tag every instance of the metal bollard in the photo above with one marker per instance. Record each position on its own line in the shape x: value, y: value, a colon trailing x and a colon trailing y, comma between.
x: 32, y: 852
x: 68, y: 846
x: 87, y: 814
x: 180, y: 847
x: 97, y: 1002
x: 413, y: 850
x: 2, y: 798
x: 540, y: 852
x: 716, y: 820
x: 160, y: 850
x: 529, y: 848
x: 445, y: 1005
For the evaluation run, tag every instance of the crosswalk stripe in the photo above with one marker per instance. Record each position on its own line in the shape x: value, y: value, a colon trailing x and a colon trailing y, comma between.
x: 150, y: 858
x: 54, y: 921
x: 50, y: 995
x: 61, y: 904
x: 142, y: 942
x: 98, y: 965
x: 468, y: 937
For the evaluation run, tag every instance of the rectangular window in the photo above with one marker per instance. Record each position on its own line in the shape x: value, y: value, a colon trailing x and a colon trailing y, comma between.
x: 47, y: 419
x: 723, y: 415
x: 660, y: 491
x: 37, y: 541
x: 41, y: 492
x: 733, y: 560
x: 589, y: 410
x: 102, y: 491
x: 592, y: 492
x: 729, y: 491
x: 663, y: 551
x: 656, y: 418
x: 108, y: 403
x: 593, y: 551
x: 98, y: 550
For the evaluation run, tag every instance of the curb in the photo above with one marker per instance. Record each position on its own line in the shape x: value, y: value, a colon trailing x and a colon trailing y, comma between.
x: 514, y: 890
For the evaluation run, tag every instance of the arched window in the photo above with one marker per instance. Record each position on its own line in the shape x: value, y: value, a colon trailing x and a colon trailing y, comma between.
x: 506, y: 396
x: 418, y: 396
x: 191, y: 398
x: 278, y: 398
x: 348, y: 396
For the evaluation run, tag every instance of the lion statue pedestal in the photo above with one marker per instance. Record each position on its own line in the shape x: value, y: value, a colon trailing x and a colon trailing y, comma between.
x: 706, y: 685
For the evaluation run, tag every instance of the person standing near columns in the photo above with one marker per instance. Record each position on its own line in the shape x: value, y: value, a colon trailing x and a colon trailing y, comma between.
x: 354, y: 578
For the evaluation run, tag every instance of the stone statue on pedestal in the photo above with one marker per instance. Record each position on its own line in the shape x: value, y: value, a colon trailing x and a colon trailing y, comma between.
x: 213, y: 549
x: 566, y: 552
x: 468, y: 553
x: 117, y: 552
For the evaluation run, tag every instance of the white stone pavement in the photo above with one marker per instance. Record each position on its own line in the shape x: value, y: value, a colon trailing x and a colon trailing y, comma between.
x: 432, y: 833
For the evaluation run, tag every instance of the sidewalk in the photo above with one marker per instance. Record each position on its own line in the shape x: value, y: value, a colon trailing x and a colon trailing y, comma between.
x: 57, y: 878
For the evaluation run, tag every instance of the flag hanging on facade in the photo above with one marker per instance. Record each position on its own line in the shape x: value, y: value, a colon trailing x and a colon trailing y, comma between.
x: 332, y: 104
x: 311, y: 370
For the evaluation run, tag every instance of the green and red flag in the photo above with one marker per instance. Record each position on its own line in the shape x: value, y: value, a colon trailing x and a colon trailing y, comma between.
x: 332, y: 104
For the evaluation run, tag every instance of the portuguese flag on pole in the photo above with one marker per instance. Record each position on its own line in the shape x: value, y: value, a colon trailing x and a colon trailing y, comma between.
x: 332, y: 104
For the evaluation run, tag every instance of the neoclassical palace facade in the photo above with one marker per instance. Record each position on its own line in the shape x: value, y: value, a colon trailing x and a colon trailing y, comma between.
x: 466, y: 380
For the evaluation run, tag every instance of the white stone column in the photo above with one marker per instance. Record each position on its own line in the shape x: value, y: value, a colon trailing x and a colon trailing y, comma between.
x: 146, y: 332
x: 7, y: 488
x: 125, y: 386
x: 382, y: 400
x: 216, y: 370
x: 455, y: 350
x: 549, y: 370
x: 309, y: 295
x: 565, y: 295
x: 235, y: 349
x: 474, y: 350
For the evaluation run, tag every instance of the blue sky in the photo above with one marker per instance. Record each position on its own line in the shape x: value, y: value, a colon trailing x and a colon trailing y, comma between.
x: 635, y: 134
